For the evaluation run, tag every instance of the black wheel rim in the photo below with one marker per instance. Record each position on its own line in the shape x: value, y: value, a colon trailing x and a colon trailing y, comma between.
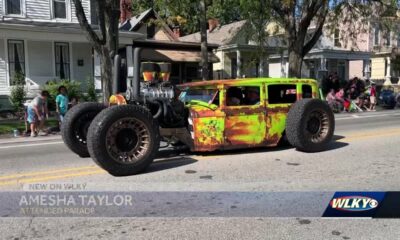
x: 317, y: 126
x: 127, y: 140
x: 82, y: 125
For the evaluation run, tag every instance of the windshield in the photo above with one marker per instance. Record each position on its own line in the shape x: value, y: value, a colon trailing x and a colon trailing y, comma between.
x: 200, y: 94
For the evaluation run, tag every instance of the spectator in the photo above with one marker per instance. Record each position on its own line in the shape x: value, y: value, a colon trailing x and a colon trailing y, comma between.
x: 61, y: 103
x: 335, y: 83
x: 332, y: 102
x: 74, y: 101
x: 37, y: 111
x: 330, y: 82
x: 372, y: 97
x: 325, y: 84
x: 355, y: 89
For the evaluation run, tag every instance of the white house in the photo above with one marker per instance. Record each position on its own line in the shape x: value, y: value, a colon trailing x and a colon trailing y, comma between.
x: 42, y: 40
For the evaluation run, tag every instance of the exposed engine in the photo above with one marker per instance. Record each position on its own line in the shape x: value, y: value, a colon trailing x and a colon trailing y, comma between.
x: 159, y: 95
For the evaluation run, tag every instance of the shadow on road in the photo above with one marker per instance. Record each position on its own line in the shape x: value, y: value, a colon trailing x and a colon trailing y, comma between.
x: 336, y: 145
x: 170, y: 162
x: 178, y: 157
x: 337, y: 137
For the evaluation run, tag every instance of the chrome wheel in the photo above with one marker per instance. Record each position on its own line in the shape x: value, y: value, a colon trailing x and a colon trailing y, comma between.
x: 127, y: 140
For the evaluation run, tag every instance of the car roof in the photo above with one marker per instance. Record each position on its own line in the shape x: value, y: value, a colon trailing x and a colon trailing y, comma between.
x: 245, y: 81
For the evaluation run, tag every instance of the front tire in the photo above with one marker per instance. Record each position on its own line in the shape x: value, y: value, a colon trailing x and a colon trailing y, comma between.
x: 75, y: 126
x: 124, y: 140
x: 310, y: 125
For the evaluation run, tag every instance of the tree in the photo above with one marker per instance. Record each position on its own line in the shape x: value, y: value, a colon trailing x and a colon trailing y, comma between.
x: 204, y: 44
x: 106, y: 45
x: 192, y: 17
x: 296, y: 17
x: 18, y: 92
x: 258, y: 15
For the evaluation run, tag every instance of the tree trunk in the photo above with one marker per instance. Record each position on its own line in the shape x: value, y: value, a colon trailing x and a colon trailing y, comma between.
x: 106, y: 45
x: 295, y: 60
x: 106, y: 73
x: 204, y: 45
x: 111, y: 21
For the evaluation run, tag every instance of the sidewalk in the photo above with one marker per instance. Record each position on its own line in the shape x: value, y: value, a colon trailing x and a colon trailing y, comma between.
x: 13, y: 140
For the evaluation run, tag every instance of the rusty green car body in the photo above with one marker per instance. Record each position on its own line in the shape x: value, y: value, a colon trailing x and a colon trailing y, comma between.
x: 216, y: 125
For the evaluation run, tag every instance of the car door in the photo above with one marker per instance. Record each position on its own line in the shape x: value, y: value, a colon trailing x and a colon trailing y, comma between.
x: 279, y: 99
x: 245, y: 124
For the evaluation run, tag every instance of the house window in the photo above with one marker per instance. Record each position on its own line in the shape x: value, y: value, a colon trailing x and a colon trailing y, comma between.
x: 59, y: 9
x: 376, y: 35
x: 336, y: 38
x: 16, y: 60
x: 93, y: 13
x: 387, y: 38
x: 14, y: 7
x: 62, y: 60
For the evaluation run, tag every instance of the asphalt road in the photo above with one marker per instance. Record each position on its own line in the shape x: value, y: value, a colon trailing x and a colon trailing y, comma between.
x: 364, y: 157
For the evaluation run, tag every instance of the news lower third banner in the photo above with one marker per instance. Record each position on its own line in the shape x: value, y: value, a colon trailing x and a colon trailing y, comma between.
x: 199, y: 204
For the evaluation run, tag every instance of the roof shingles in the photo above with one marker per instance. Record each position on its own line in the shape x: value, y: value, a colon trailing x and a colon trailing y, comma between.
x: 221, y: 35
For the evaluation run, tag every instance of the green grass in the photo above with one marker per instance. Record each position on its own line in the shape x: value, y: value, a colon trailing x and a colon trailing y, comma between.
x: 7, y: 127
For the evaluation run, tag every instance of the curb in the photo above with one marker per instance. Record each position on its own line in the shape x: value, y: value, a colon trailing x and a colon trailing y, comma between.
x: 29, y: 139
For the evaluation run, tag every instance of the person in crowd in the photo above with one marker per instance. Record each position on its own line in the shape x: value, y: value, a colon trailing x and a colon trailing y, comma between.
x: 62, y: 104
x: 74, y: 101
x: 332, y: 102
x: 325, y: 84
x: 37, y: 112
x: 372, y: 97
x: 355, y: 89
x: 330, y: 82
x: 335, y: 83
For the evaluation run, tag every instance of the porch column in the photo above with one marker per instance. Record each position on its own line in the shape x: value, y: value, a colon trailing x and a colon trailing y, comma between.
x: 283, y: 66
x: 322, y: 69
x: 238, y: 64
x: 367, y: 66
x: 388, y: 72
x: 261, y: 67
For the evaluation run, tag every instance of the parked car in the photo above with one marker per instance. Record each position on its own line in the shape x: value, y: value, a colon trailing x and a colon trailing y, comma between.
x: 387, y: 99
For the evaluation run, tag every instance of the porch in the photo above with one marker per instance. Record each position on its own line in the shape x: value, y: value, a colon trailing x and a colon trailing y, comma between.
x: 41, y: 52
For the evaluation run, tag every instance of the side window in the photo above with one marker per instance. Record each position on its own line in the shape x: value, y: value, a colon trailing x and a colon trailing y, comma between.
x: 307, y: 91
x: 282, y: 93
x: 243, y: 96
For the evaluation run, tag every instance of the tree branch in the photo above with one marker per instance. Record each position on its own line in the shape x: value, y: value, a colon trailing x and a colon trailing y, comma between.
x: 317, y: 34
x: 87, y: 29
x: 100, y: 9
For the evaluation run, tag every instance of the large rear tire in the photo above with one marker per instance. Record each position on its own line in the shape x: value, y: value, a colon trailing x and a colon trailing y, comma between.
x: 124, y: 140
x: 310, y: 125
x: 76, y: 124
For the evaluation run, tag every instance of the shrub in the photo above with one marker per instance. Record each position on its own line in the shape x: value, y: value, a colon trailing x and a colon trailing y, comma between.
x: 90, y: 95
x: 73, y: 89
x: 18, y: 92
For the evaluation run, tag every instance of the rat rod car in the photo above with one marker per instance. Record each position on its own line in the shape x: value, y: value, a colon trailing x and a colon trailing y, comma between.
x: 204, y: 116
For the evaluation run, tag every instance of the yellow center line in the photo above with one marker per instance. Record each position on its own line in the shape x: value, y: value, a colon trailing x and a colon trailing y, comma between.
x: 369, y: 136
x: 48, y: 178
x: 31, y: 177
x: 27, y: 174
